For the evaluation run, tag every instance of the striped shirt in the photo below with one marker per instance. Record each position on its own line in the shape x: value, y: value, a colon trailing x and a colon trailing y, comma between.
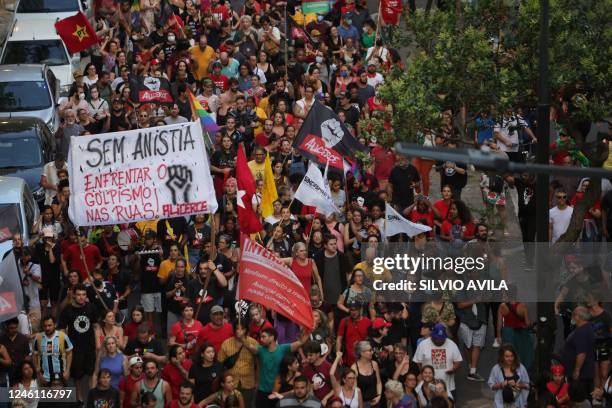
x: 244, y: 369
x: 51, y: 360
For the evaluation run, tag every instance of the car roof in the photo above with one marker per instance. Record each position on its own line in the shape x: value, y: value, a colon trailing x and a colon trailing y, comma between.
x: 28, y: 29
x: 19, y: 124
x: 11, y: 189
x: 21, y: 72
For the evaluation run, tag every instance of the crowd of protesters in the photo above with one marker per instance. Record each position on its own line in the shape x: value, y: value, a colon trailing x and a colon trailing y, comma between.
x: 156, y: 323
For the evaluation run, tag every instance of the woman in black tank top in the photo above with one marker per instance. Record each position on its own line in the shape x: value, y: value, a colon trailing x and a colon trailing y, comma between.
x: 368, y: 374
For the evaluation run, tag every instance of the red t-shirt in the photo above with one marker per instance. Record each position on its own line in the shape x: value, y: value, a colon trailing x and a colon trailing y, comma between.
x: 126, y: 384
x: 417, y: 217
x: 356, y: 331
x: 130, y: 329
x: 384, y: 160
x: 579, y: 196
x: 217, y: 335
x: 171, y: 374
x: 254, y: 329
x: 72, y: 256
x: 390, y: 11
x: 447, y: 227
x: 175, y: 404
x: 261, y: 139
x: 220, y: 81
x: 195, y: 336
x: 319, y: 378
x: 221, y: 12
x: 442, y: 208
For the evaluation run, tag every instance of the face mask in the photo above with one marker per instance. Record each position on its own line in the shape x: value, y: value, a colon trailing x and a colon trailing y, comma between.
x: 171, y: 38
x: 344, y: 74
x: 318, y: 59
x: 97, y: 282
x: 319, y: 18
x: 349, y: 21
x: 333, y: 67
x: 81, y: 96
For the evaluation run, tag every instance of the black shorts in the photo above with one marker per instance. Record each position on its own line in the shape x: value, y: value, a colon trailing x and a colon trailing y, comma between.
x: 83, y: 362
x: 49, y: 292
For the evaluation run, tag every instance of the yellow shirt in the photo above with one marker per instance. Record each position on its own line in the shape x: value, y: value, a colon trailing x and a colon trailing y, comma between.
x: 244, y: 369
x: 202, y: 58
x: 165, y: 268
x: 144, y: 226
x: 257, y: 170
x: 261, y: 115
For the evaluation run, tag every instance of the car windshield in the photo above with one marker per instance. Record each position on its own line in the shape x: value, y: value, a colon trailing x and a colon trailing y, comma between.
x: 19, y: 152
x: 47, y: 6
x: 10, y: 221
x: 50, y: 52
x: 24, y: 96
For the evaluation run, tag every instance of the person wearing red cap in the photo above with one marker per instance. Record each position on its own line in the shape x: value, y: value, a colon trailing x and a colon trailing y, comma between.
x: 558, y: 387
x: 377, y: 338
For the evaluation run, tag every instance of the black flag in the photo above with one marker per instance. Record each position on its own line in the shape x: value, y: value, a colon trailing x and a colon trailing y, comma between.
x: 324, y: 138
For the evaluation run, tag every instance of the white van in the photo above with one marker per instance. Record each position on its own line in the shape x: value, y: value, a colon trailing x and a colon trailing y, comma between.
x: 18, y: 211
x: 34, y: 41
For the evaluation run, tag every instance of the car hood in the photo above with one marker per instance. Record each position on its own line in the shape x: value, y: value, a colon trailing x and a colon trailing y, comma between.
x: 45, y: 114
x: 31, y: 175
x: 51, y: 17
x: 63, y: 73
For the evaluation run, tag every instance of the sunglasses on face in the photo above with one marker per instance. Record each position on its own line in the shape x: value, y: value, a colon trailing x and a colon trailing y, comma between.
x: 561, y: 197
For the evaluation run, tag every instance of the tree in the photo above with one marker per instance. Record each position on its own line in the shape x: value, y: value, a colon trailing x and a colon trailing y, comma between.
x: 488, y: 53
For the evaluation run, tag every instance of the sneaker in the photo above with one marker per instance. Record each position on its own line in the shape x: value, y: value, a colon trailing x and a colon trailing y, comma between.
x: 475, y: 377
x: 496, y: 344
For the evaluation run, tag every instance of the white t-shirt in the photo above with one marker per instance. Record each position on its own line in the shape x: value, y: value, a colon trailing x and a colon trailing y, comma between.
x: 50, y: 173
x: 508, y: 128
x: 560, y: 220
x: 376, y: 79
x: 441, y: 358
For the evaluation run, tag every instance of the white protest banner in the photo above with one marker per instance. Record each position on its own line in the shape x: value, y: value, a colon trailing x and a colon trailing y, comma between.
x: 396, y: 224
x: 141, y: 174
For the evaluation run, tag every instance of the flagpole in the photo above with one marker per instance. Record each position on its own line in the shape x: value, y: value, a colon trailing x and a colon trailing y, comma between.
x: 286, y: 44
x: 377, y: 22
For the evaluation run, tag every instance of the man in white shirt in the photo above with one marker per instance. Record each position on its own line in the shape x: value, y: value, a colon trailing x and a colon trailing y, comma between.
x: 559, y: 216
x: 31, y: 278
x: 49, y: 179
x: 506, y: 131
x: 442, y: 354
x: 374, y: 78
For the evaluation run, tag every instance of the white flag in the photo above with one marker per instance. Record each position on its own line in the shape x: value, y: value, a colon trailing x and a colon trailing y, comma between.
x: 396, y: 224
x: 314, y: 191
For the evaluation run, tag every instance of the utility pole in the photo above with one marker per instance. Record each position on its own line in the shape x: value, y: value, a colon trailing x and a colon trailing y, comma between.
x: 546, y: 316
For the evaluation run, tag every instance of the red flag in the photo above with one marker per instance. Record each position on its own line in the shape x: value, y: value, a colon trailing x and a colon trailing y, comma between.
x: 248, y: 220
x: 76, y: 32
x: 267, y: 280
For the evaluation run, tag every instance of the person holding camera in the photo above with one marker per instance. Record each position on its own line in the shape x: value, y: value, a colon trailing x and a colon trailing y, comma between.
x: 509, y: 379
x: 31, y: 279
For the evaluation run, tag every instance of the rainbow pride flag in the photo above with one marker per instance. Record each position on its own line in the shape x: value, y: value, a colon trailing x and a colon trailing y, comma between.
x: 208, y: 122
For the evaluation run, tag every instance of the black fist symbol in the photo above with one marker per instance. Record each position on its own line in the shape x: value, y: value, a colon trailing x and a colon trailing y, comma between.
x: 179, y: 182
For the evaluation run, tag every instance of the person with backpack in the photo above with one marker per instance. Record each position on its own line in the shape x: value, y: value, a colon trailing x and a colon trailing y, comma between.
x: 52, y: 353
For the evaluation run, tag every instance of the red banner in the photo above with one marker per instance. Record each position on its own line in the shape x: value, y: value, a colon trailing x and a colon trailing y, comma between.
x: 162, y: 96
x: 390, y: 11
x: 316, y: 146
x: 267, y: 280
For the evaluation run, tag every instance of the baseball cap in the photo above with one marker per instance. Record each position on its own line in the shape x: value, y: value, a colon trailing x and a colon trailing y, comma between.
x: 379, y: 323
x: 135, y: 360
x: 351, y: 304
x: 438, y: 332
x: 216, y: 309
x: 342, y: 95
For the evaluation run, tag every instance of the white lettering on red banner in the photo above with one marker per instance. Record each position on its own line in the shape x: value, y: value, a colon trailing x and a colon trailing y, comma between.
x: 142, y: 174
x: 316, y: 146
x: 162, y: 96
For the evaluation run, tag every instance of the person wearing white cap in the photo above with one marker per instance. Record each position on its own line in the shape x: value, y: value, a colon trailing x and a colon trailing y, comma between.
x: 127, y: 383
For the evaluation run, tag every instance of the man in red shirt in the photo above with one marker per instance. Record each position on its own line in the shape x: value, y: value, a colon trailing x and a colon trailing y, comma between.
x: 185, y: 398
x: 263, y: 138
x: 126, y: 384
x: 188, y: 332
x: 351, y: 330
x: 220, y: 81
x: 72, y: 258
x: 218, y: 330
x: 317, y: 370
x: 384, y: 160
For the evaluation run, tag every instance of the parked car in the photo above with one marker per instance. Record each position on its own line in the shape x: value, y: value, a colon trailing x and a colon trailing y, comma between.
x: 18, y: 211
x: 26, y: 145
x: 49, y: 9
x: 29, y: 90
x: 35, y: 41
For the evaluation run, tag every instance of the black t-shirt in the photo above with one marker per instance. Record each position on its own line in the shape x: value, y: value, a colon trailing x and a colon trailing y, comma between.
x: 223, y: 160
x: 79, y: 322
x: 526, y: 198
x: 135, y: 346
x: 176, y: 302
x: 197, y: 237
x: 401, y: 180
x: 149, y: 266
x: 214, y: 293
x: 206, y: 379
x: 107, y: 295
x: 51, y: 276
x: 452, y: 178
x: 581, y: 340
x: 103, y: 398
x: 121, y: 281
x: 369, y: 198
x: 351, y: 115
x: 601, y: 326
x: 179, y: 229
x: 397, y: 331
